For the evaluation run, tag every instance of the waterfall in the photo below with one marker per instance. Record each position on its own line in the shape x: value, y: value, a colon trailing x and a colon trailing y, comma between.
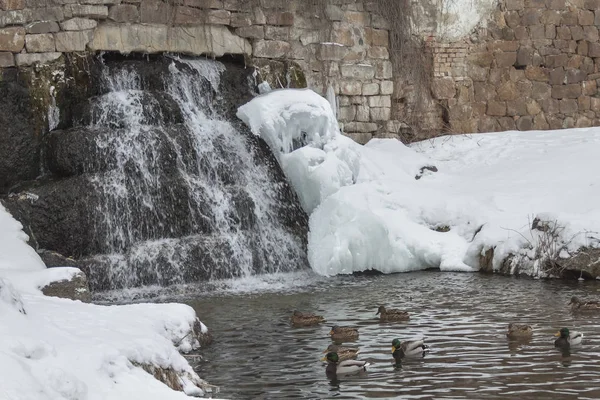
x: 180, y: 191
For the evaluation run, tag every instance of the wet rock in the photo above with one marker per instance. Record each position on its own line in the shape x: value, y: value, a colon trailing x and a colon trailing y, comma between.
x: 54, y: 259
x: 584, y: 263
x: 75, y: 288
x: 19, y: 149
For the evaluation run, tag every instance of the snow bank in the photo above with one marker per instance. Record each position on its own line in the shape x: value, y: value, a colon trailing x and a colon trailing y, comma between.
x: 55, y: 349
x: 368, y: 210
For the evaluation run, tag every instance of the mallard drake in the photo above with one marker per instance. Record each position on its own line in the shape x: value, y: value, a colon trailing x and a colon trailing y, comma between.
x: 306, y: 319
x: 408, y: 349
x: 347, y: 367
x: 567, y: 338
x: 344, y: 353
x: 392, y: 314
x: 581, y: 305
x: 519, y: 331
x: 343, y: 333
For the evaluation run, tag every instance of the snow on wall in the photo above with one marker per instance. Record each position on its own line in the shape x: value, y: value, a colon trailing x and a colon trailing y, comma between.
x: 458, y: 18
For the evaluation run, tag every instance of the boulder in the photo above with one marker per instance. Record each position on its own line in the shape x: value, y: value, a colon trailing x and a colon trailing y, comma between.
x: 75, y: 288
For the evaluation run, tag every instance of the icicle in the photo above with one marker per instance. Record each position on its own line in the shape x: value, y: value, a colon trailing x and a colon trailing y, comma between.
x: 330, y: 95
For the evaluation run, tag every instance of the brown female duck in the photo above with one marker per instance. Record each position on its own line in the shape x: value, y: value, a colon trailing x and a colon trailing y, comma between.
x: 344, y: 353
x: 343, y: 333
x: 306, y: 319
x: 393, y: 314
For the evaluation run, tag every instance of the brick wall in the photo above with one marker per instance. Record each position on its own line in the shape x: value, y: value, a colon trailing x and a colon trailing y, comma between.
x: 344, y: 44
x: 535, y: 65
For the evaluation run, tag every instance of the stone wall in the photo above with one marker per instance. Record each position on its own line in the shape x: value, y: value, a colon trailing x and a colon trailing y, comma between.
x: 534, y: 65
x: 343, y: 44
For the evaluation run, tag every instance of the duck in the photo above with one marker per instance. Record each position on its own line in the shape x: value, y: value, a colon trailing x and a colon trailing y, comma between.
x: 408, y: 349
x: 519, y: 331
x: 392, y: 314
x: 348, y: 367
x: 344, y: 353
x: 581, y: 305
x: 567, y: 338
x: 306, y: 319
x: 343, y: 333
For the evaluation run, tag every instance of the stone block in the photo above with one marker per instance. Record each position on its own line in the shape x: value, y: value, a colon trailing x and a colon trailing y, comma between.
x: 535, y: 3
x: 563, y: 33
x: 218, y: 17
x: 208, y: 4
x: 443, y: 88
x: 383, y: 70
x: 331, y: 52
x: 124, y: 13
x: 7, y: 59
x: 583, y: 103
x: 98, y: 2
x: 378, y: 52
x: 251, y: 32
x: 576, y: 32
x: 550, y: 32
x: 215, y: 40
x: 379, y: 22
x: 155, y: 12
x: 346, y: 114
x: 360, y: 127
x: 16, y: 17
x: 334, y: 12
x: 575, y: 75
x: 71, y: 41
x: 358, y: 137
x: 40, y: 43
x: 512, y: 18
x: 586, y: 17
x: 78, y: 24
x: 589, y: 88
x: 514, y: 5
x: 9, y: 5
x: 556, y: 4
x: 550, y: 105
x: 524, y: 56
x: 387, y: 87
x: 380, y: 101
x: 12, y: 39
x: 508, y: 91
x: 362, y: 113
x: 351, y: 88
x: 270, y: 49
x: 590, y: 33
x: 496, y: 108
x: 358, y: 71
x: 380, y: 113
x: 377, y: 37
x: 594, y: 50
x: 583, y: 122
x: 537, y: 73
x: 533, y: 108
x: 541, y: 90
x: 568, y: 106
x: 566, y: 91
x: 358, y: 100
x: 370, y: 89
x: 595, y: 104
x: 42, y: 27
x: 555, y: 61
x: 531, y: 17
x: 591, y: 4
x: 569, y: 18
x: 280, y: 18
x: 575, y: 61
x: 277, y: 33
x: 241, y: 19
x: 550, y: 17
x: 525, y: 123
x: 537, y: 32
x: 517, y: 107
x: 356, y: 18
x: 188, y: 16
x: 26, y: 59
x: 91, y: 11
x: 505, y: 59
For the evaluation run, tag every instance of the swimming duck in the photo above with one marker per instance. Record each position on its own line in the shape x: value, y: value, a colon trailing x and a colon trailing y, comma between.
x: 347, y: 367
x: 581, y: 305
x: 519, y: 331
x: 344, y: 353
x: 343, y: 333
x: 408, y: 348
x: 392, y: 314
x: 566, y: 339
x: 306, y: 319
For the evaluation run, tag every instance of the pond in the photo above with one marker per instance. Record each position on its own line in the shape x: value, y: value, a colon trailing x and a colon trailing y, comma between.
x: 256, y: 354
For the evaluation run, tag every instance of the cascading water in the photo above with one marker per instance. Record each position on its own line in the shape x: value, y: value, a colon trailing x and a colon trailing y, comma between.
x: 171, y: 188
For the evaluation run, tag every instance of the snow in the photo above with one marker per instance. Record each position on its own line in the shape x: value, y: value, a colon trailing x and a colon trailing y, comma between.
x: 368, y: 210
x: 59, y: 349
x: 458, y: 18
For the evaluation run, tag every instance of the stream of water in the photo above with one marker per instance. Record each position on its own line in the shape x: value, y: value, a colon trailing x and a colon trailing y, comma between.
x: 256, y: 354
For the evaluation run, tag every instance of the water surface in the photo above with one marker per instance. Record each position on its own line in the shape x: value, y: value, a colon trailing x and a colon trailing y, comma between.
x: 256, y: 354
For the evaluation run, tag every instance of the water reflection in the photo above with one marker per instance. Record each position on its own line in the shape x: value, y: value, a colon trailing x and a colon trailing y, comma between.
x: 463, y: 318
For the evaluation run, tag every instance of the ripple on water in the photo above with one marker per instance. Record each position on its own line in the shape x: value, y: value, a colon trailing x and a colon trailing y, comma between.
x: 463, y: 317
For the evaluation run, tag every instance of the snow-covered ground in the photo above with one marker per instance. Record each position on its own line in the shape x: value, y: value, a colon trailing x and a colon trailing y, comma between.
x: 59, y: 349
x: 368, y: 211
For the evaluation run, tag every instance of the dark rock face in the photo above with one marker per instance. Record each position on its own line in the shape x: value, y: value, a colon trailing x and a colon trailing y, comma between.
x: 75, y: 288
x: 19, y: 148
x: 151, y: 179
